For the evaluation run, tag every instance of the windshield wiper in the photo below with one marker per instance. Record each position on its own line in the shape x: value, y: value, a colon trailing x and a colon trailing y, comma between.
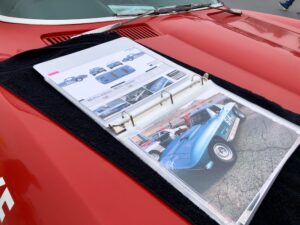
x: 185, y: 8
x: 164, y: 10
x: 169, y: 9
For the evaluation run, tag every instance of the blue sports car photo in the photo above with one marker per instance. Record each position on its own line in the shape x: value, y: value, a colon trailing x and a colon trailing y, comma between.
x: 207, y: 141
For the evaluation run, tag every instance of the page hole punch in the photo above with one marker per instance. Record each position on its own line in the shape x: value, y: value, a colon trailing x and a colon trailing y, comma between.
x: 170, y: 95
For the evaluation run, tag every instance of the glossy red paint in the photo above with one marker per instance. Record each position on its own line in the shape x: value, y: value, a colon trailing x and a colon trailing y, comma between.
x: 56, y: 179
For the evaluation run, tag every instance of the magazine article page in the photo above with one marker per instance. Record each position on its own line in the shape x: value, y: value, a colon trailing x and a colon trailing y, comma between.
x: 225, y: 152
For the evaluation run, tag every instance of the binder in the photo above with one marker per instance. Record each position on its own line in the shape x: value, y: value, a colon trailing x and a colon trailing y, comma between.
x: 135, y: 93
x: 165, y: 95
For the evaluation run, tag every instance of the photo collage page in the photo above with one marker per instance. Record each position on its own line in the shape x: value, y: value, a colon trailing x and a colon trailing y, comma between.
x: 116, y: 82
x: 221, y: 149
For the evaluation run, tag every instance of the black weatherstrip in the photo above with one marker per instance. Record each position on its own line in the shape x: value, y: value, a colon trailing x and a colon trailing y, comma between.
x: 282, y: 204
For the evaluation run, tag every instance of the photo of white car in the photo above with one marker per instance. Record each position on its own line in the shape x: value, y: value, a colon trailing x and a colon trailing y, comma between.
x: 137, y: 95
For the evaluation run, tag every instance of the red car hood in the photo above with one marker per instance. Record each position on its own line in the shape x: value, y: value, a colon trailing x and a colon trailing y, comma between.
x: 52, y: 175
x: 251, y: 51
x: 257, y: 51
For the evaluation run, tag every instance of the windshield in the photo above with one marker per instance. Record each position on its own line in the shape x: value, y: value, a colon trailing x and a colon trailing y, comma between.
x: 83, y: 9
x: 200, y: 117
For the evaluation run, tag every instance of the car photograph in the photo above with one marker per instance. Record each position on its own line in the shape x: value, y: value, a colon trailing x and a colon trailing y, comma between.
x: 111, y: 108
x: 132, y: 57
x: 114, y: 64
x: 97, y: 70
x: 137, y: 95
x: 158, y: 84
x: 163, y: 137
x: 153, y: 148
x: 114, y: 75
x: 59, y: 166
x: 71, y: 80
x: 204, y: 148
x: 173, y: 132
x: 221, y: 140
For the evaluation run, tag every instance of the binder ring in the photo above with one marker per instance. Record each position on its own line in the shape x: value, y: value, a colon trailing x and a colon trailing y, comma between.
x: 130, y: 116
x: 202, y: 78
x: 193, y: 78
x: 171, y: 96
x: 205, y: 77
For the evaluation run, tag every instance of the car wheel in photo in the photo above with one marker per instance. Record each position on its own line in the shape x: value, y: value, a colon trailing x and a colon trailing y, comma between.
x: 222, y: 152
x: 155, y: 154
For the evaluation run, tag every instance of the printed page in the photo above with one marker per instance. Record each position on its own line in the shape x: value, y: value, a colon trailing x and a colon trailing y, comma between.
x: 219, y: 150
x: 112, y: 77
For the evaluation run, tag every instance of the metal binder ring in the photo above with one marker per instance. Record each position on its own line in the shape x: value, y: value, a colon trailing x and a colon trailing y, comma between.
x: 171, y: 96
x: 205, y: 77
x: 129, y: 115
x: 193, y: 78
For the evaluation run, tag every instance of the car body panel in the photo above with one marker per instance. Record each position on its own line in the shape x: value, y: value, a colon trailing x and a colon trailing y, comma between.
x: 50, y: 187
x: 254, y: 74
x: 56, y: 179
x: 163, y: 137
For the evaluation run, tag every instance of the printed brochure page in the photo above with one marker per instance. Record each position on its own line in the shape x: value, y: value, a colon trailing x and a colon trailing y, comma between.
x: 118, y: 75
x: 221, y: 149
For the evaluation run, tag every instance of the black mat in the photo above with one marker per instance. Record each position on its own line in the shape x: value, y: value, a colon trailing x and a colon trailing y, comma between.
x: 280, y: 207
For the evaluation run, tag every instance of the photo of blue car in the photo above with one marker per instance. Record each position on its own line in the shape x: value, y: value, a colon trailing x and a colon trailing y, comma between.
x: 207, y: 142
x: 115, y: 74
x: 71, y: 80
x: 114, y: 64
x: 95, y: 71
x: 132, y: 56
x: 218, y: 146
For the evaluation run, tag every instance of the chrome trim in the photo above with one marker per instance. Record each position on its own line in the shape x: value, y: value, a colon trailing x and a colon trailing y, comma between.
x: 234, y: 130
x: 16, y: 20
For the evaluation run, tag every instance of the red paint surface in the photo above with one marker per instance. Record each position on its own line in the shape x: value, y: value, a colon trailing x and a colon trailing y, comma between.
x: 56, y: 179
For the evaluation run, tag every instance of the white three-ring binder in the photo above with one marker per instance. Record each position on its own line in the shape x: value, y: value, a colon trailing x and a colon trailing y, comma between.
x: 201, y: 138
